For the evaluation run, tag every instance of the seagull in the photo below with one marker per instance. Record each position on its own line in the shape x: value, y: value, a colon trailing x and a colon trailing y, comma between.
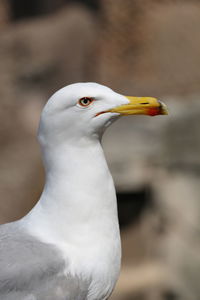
x: 68, y: 246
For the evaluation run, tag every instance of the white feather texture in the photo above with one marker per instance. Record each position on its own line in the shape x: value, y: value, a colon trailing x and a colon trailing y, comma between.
x: 77, y: 211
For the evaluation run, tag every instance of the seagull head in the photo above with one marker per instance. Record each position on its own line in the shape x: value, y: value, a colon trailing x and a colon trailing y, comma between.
x: 84, y: 110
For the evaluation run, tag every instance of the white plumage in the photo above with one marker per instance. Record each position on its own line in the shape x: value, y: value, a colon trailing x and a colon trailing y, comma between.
x: 75, y: 220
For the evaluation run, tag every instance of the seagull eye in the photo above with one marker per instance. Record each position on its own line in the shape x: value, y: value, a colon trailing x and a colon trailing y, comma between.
x: 85, y: 101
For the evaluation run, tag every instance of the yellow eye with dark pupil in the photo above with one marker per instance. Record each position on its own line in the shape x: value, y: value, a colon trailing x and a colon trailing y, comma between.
x: 85, y: 101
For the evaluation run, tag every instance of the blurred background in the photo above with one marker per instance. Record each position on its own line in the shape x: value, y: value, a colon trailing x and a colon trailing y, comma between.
x: 138, y: 48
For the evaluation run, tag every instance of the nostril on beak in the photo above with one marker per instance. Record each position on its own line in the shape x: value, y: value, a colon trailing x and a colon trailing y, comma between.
x: 144, y: 103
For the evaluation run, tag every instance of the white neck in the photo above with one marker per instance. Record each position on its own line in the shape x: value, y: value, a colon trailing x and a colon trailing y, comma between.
x: 78, y: 205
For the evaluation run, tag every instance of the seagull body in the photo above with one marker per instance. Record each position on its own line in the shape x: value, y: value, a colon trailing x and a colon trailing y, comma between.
x: 68, y: 246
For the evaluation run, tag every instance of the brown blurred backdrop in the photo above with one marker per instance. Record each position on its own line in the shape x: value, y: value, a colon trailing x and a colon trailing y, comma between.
x: 137, y: 47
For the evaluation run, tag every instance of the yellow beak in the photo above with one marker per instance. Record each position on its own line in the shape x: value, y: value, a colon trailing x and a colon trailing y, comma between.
x: 141, y: 106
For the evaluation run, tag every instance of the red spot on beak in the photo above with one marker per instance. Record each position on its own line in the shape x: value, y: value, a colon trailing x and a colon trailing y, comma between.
x: 154, y: 111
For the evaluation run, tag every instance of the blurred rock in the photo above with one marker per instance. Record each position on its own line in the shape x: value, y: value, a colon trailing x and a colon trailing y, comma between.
x: 4, y: 13
x: 151, y: 47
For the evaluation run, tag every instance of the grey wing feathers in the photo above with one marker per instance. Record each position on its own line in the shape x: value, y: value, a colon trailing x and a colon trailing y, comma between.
x: 32, y: 270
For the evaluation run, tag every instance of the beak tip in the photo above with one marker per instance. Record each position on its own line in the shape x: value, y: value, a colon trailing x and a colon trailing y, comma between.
x: 163, y: 109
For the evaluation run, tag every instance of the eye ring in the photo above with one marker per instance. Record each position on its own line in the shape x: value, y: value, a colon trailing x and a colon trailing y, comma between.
x: 85, y: 101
